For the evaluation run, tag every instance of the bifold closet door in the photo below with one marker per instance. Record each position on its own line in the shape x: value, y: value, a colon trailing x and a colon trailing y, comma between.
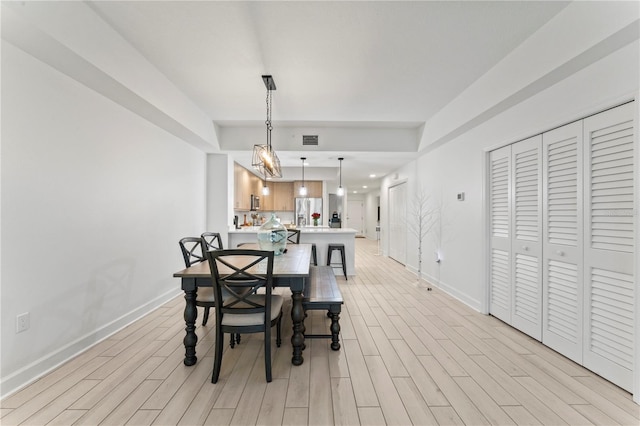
x: 526, y: 236
x: 609, y: 244
x: 516, y: 235
x: 500, y: 231
x: 562, y: 296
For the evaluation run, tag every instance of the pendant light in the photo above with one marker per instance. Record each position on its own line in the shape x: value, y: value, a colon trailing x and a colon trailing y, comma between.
x: 265, y: 188
x: 303, y: 189
x: 265, y: 159
x: 340, y: 188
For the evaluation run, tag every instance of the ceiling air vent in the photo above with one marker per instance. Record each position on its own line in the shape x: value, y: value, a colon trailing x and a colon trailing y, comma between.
x: 310, y: 140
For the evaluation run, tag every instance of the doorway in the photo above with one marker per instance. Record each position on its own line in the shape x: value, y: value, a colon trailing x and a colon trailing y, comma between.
x: 398, y: 223
x: 355, y: 216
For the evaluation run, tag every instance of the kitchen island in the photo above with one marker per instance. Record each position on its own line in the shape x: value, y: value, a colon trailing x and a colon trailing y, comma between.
x: 322, y: 236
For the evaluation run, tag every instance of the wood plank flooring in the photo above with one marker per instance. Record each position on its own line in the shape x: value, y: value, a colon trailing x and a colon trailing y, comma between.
x: 408, y: 356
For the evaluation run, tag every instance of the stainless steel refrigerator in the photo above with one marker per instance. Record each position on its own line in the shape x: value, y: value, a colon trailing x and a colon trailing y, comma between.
x: 305, y: 207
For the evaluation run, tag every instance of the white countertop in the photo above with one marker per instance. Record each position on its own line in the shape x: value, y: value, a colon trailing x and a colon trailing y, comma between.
x: 303, y: 230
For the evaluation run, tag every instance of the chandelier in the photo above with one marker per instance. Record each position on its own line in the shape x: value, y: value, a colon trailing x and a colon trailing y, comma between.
x: 265, y: 160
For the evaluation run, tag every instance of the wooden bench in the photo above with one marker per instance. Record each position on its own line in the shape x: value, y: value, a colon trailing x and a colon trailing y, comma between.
x: 322, y: 293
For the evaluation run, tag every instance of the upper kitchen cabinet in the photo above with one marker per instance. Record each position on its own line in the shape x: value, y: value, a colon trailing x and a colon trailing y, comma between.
x: 242, y: 192
x: 280, y: 197
x: 246, y: 184
x: 314, y: 188
x: 283, y: 197
x: 266, y: 201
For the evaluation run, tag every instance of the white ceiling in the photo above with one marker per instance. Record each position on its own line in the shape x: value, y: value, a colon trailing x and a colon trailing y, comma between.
x: 364, y: 76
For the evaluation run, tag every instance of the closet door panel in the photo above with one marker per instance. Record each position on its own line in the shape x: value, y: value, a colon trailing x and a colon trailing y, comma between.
x: 526, y: 242
x: 609, y: 244
x: 562, y: 281
x: 500, y: 231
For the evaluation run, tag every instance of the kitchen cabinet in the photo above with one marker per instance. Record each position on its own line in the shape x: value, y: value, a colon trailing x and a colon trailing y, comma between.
x: 280, y: 197
x: 256, y: 186
x: 242, y: 191
x: 266, y: 201
x: 314, y: 188
x: 283, y: 198
x: 246, y: 183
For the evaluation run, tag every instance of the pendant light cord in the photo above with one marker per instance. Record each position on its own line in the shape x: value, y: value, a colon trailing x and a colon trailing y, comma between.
x: 268, y: 122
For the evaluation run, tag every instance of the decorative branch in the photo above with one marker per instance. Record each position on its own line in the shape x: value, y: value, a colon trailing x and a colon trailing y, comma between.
x: 423, y: 219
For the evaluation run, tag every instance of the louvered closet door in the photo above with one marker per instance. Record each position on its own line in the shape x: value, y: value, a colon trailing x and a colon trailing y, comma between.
x: 609, y: 245
x: 500, y: 223
x: 526, y: 241
x: 562, y: 240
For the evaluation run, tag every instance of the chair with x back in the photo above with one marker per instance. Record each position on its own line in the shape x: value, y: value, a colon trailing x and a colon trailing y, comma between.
x: 192, y: 253
x: 293, y: 236
x: 242, y: 273
x: 211, y: 241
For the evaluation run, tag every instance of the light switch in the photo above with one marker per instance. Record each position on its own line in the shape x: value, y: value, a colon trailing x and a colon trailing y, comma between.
x: 460, y: 196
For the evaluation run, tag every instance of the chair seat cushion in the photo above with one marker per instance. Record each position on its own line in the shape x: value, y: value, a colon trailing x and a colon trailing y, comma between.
x: 254, y: 319
x: 205, y: 294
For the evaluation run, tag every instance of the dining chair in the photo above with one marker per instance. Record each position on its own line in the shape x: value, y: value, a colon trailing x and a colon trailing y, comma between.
x: 192, y: 253
x: 211, y: 241
x: 191, y: 248
x: 242, y: 273
x: 293, y: 236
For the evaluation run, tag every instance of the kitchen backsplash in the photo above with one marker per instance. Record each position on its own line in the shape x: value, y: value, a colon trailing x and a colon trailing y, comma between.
x: 285, y: 217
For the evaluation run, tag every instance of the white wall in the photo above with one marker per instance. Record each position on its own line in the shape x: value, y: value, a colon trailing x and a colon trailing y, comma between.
x: 94, y: 200
x: 219, y: 184
x: 371, y: 214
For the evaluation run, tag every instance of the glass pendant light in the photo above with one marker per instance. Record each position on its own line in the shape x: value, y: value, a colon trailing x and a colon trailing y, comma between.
x: 340, y: 188
x: 303, y: 189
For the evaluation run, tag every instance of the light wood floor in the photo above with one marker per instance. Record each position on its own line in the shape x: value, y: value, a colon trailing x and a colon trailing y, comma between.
x: 408, y: 356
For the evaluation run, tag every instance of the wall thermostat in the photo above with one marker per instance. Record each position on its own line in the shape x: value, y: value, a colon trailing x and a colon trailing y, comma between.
x: 460, y: 196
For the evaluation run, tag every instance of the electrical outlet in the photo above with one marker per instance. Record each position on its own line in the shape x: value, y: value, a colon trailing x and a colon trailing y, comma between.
x: 22, y: 322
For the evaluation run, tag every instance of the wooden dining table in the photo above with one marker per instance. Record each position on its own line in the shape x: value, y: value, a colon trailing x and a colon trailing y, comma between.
x: 290, y: 269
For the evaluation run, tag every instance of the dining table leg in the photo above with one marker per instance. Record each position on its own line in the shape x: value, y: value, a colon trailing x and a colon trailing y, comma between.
x: 297, y: 317
x: 190, y: 316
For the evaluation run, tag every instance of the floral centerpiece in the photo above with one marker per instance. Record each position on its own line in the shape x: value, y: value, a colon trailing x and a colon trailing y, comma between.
x: 315, y: 217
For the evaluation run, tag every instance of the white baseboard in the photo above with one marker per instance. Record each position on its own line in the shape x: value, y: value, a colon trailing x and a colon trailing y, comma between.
x: 30, y: 373
x: 451, y: 291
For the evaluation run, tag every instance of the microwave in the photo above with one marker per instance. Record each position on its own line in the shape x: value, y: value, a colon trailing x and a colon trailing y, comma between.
x: 255, y: 202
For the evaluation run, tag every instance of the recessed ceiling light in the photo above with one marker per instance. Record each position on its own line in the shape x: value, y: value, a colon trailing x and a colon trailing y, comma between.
x: 364, y: 186
x: 372, y: 175
x: 355, y: 192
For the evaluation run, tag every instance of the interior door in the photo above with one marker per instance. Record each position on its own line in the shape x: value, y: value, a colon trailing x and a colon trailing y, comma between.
x: 397, y: 223
x: 500, y: 231
x: 355, y: 216
x: 563, y: 240
x: 526, y: 236
x: 609, y: 245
